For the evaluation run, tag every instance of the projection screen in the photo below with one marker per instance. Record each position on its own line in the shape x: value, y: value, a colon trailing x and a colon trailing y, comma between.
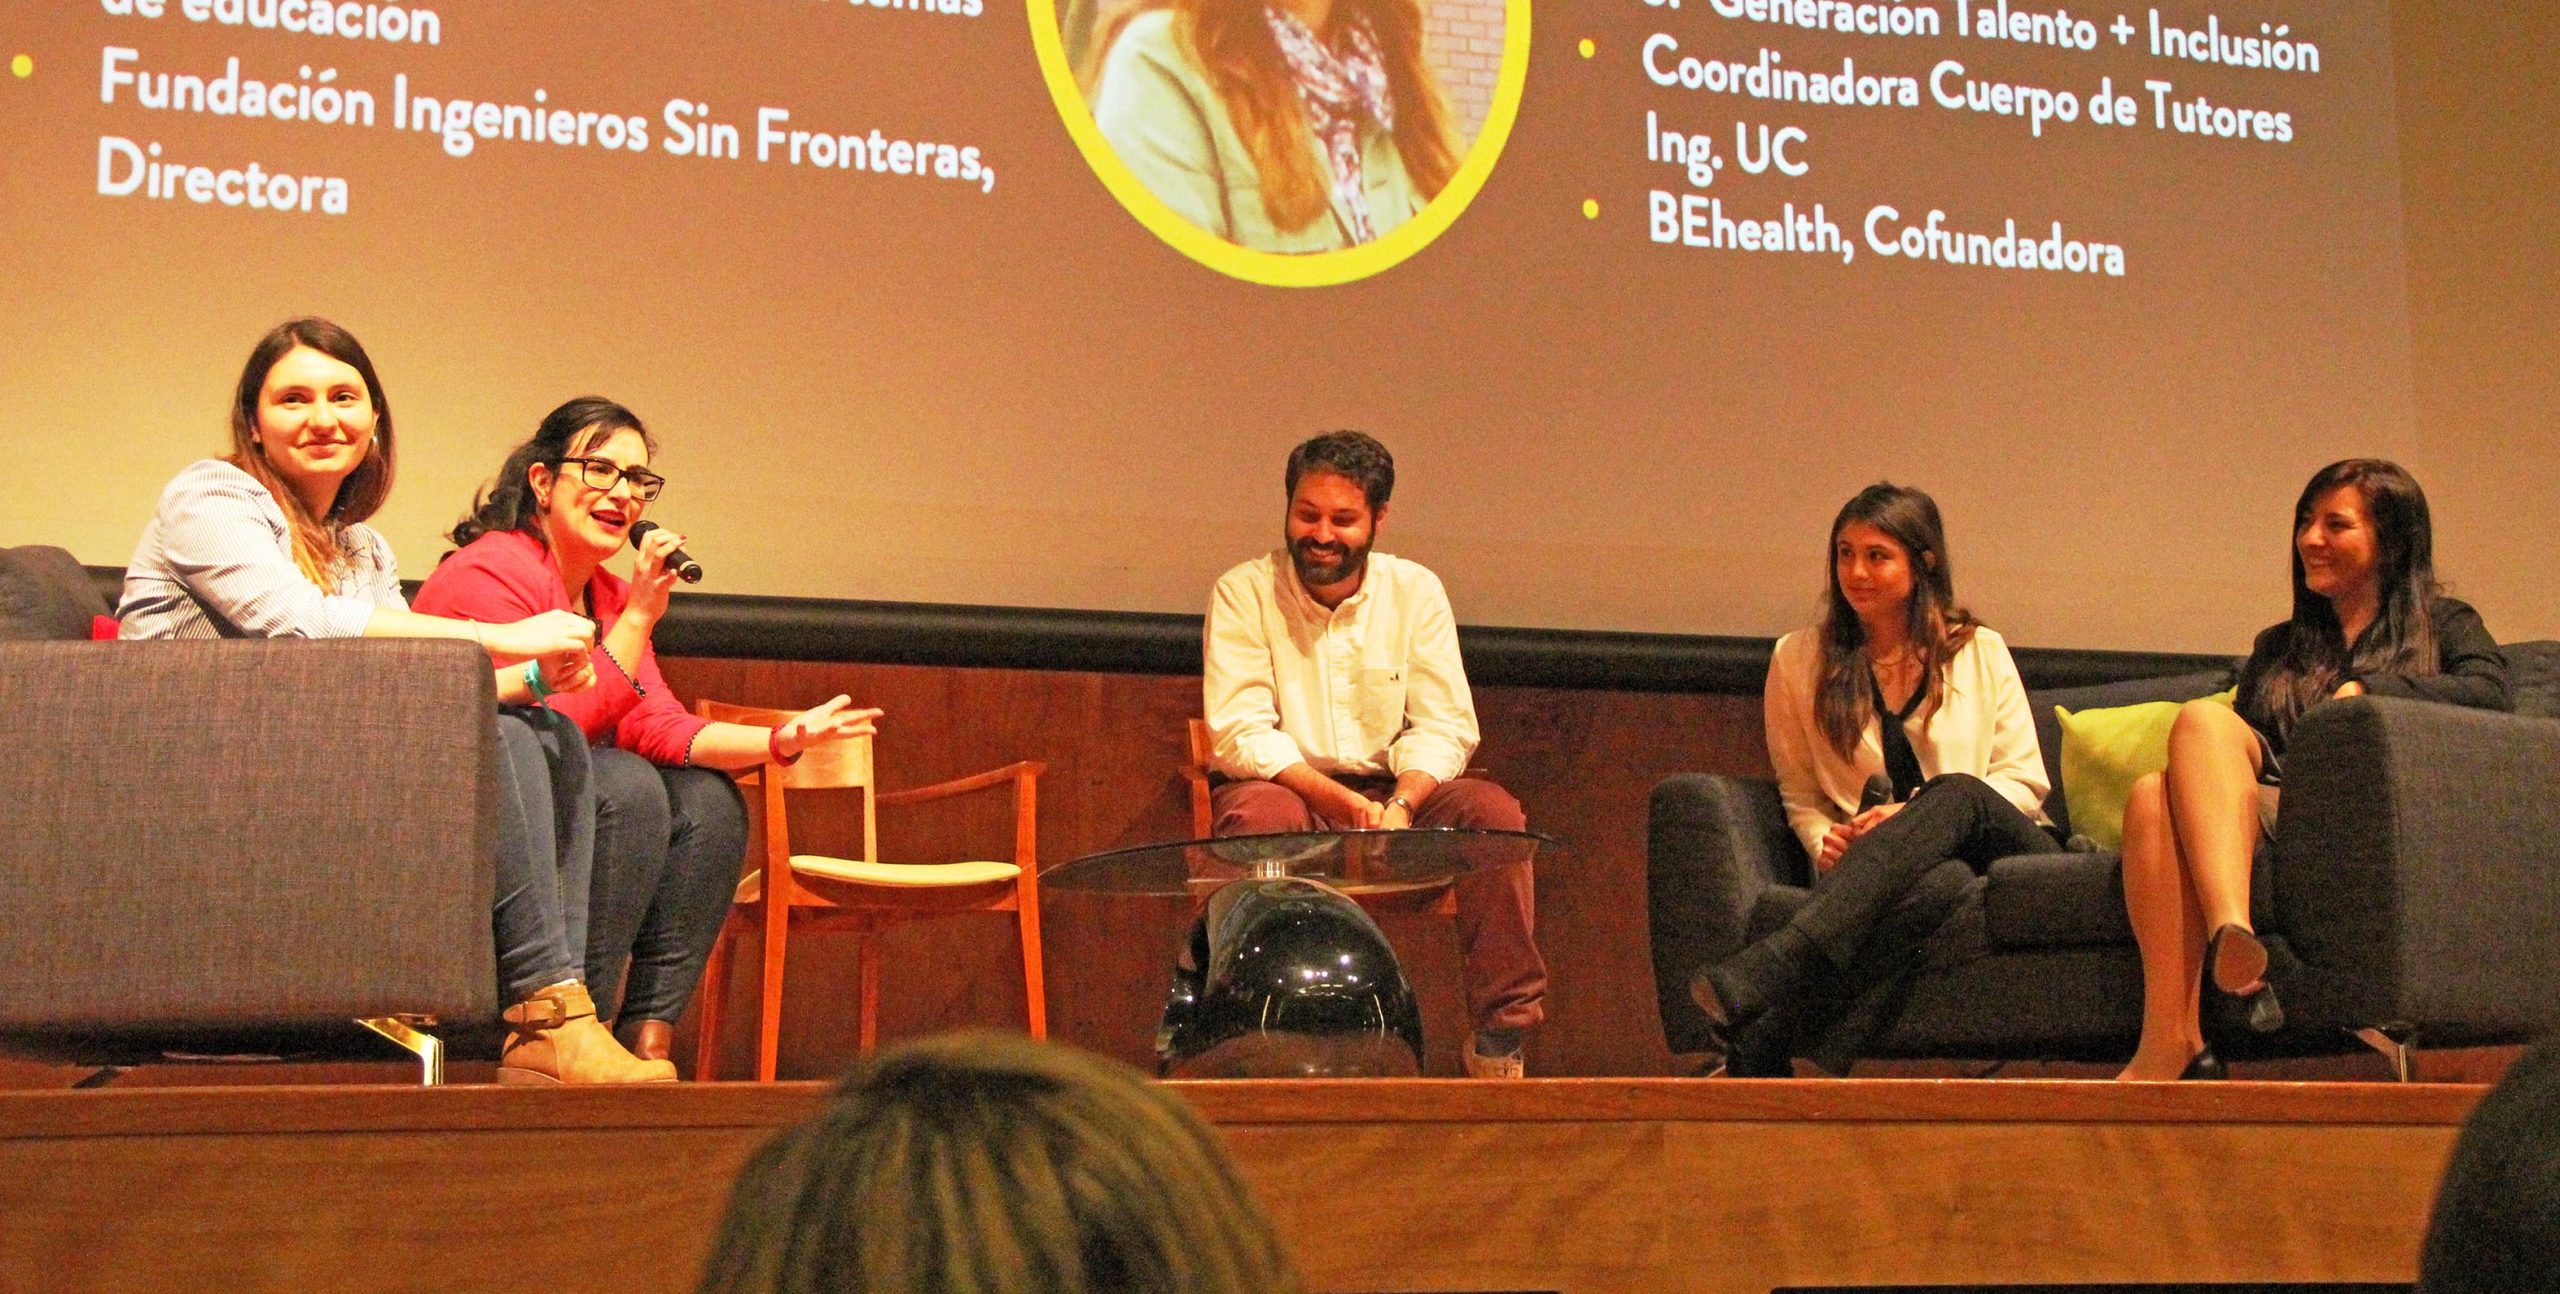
x: 914, y: 319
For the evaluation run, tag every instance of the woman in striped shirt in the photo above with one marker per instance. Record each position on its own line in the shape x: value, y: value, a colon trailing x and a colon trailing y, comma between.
x: 269, y: 541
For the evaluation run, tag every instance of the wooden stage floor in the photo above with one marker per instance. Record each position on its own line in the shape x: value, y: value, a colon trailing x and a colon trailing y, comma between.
x: 1548, y: 1184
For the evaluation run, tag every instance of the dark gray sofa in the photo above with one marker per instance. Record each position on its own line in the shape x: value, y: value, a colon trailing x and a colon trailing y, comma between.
x: 237, y: 846
x: 2415, y: 889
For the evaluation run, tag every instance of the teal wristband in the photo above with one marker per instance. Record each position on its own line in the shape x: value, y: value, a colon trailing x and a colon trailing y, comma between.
x: 533, y: 680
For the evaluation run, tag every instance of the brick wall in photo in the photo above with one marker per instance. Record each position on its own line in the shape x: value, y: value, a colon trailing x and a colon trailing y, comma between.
x: 1464, y: 38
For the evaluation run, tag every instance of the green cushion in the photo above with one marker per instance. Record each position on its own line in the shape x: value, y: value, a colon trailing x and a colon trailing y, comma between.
x: 2104, y: 751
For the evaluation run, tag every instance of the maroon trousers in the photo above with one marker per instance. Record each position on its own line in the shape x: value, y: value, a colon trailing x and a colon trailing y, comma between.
x: 1497, y: 908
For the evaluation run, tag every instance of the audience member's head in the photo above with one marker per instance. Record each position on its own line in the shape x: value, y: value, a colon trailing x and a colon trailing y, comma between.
x: 2497, y: 1220
x: 987, y: 1164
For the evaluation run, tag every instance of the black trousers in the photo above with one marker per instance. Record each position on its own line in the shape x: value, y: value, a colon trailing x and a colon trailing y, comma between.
x: 1955, y: 817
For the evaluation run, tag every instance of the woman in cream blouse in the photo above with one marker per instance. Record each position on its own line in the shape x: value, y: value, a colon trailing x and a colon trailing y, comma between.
x: 1903, y: 744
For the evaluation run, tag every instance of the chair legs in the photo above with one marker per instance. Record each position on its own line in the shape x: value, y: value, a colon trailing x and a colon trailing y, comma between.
x: 777, y: 942
x: 2398, y: 1045
x: 428, y: 1048
x: 1035, y: 992
x: 712, y: 1000
x: 868, y: 970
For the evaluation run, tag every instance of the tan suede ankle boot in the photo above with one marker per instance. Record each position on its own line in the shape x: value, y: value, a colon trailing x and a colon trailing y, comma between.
x: 553, y: 1037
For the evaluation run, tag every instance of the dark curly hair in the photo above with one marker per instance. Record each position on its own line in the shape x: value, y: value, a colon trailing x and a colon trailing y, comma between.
x: 1355, y: 456
x: 507, y: 503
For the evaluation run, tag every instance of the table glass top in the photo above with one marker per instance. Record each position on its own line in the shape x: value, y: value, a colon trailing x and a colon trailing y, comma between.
x: 1355, y: 862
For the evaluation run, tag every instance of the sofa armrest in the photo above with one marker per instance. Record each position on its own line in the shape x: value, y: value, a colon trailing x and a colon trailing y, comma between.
x: 2417, y: 867
x: 215, y: 838
x: 1713, y: 845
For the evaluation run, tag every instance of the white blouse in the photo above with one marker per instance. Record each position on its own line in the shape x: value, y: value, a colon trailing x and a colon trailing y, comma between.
x: 1980, y: 725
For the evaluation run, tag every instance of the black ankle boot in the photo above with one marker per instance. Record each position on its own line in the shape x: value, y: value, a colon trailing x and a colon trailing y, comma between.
x: 1738, y: 990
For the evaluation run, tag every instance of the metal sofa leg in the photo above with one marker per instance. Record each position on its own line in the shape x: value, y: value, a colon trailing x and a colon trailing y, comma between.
x: 405, y: 1031
x: 2397, y: 1042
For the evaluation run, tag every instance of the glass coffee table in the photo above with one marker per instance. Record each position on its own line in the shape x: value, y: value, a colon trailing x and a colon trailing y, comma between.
x: 1284, y: 975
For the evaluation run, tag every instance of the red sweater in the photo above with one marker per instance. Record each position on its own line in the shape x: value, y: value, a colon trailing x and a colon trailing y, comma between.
x: 509, y: 575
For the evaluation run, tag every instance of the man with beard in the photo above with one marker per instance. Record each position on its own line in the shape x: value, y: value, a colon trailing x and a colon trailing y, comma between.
x: 1337, y: 701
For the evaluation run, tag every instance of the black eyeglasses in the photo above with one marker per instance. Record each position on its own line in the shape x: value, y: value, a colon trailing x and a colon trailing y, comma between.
x: 604, y: 474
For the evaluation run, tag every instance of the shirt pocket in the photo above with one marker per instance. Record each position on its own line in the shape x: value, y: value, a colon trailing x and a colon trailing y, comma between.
x: 1381, y: 705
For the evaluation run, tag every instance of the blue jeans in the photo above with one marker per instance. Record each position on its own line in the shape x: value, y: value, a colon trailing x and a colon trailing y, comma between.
x: 546, y: 849
x: 669, y: 843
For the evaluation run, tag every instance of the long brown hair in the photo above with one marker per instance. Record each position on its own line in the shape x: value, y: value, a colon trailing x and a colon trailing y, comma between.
x: 2402, y: 638
x: 987, y: 1162
x: 1233, y: 44
x: 319, y: 543
x: 1936, y: 625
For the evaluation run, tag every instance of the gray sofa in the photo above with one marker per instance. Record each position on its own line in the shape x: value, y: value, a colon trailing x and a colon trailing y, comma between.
x: 2415, y: 890
x: 236, y: 846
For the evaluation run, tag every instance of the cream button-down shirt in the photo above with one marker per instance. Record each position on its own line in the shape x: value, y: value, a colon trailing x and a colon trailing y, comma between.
x: 1373, y: 686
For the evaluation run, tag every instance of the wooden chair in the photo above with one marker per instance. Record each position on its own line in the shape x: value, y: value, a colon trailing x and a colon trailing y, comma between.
x: 862, y: 895
x: 1440, y: 900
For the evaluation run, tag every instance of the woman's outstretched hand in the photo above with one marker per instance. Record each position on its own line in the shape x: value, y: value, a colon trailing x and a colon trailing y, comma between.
x: 832, y: 721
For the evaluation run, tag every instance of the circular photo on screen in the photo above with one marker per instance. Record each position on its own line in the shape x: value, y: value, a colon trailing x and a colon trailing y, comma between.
x: 1289, y: 142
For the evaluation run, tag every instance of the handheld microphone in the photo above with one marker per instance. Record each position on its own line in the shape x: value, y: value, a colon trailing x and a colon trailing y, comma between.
x: 1879, y: 790
x: 686, y: 569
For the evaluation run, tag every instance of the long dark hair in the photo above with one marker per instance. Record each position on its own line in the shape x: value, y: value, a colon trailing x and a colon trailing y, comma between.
x: 1937, y: 626
x: 2402, y: 638
x: 979, y: 1161
x: 508, y: 503
x: 319, y: 546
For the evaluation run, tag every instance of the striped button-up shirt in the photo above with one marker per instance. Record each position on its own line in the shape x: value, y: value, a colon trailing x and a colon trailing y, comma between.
x: 217, y: 562
x: 1369, y: 687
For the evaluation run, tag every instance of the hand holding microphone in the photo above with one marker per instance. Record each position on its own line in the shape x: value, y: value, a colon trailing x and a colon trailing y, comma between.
x: 675, y: 558
x: 1875, y: 804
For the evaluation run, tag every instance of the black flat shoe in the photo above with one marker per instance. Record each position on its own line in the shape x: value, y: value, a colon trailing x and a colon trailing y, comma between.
x: 2206, y: 1065
x: 2234, y: 955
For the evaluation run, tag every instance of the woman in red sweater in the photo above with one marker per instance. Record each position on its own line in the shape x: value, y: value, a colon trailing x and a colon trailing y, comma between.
x: 670, y: 827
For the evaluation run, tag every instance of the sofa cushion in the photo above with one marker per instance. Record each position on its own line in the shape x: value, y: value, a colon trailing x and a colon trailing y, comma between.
x: 2175, y: 687
x: 2103, y: 752
x: 2533, y: 678
x: 45, y: 595
x: 2056, y: 901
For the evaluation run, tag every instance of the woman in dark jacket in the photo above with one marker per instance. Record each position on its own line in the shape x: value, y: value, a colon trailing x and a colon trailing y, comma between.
x: 2368, y: 619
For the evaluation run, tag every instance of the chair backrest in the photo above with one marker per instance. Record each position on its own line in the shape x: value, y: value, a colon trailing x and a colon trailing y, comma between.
x: 829, y: 765
x: 1203, y: 744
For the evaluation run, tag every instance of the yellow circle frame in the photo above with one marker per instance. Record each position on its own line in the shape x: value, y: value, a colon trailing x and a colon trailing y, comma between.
x: 1276, y: 269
